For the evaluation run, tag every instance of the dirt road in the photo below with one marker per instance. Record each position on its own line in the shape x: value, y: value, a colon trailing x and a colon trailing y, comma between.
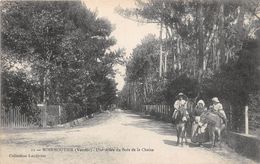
x: 117, y: 137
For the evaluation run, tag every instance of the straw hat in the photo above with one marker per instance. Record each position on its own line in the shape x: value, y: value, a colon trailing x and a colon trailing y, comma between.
x: 215, y: 99
x: 181, y: 95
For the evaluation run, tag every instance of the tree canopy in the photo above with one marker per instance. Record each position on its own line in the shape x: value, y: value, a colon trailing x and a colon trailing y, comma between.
x: 67, y: 48
x: 208, y: 49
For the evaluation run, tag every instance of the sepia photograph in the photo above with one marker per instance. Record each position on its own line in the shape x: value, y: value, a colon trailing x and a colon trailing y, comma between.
x: 130, y: 82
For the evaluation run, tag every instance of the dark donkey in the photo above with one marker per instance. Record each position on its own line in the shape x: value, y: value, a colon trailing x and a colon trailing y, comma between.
x: 215, y: 125
x: 181, y: 119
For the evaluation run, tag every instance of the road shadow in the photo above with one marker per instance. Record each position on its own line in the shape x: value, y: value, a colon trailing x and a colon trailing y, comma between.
x: 145, y: 122
x: 170, y: 142
x: 135, y: 116
x: 206, y: 145
x: 161, y: 128
x: 157, y: 126
x: 174, y: 143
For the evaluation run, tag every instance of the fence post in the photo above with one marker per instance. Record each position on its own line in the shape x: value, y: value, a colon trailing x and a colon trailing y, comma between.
x: 11, y: 118
x: 43, y: 108
x: 246, y: 119
x: 45, y: 115
x: 60, y: 114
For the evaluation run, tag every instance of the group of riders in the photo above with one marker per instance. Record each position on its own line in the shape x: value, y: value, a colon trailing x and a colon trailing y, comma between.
x: 203, y: 120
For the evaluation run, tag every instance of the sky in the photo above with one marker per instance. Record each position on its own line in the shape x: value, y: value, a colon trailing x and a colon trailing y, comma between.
x: 127, y: 32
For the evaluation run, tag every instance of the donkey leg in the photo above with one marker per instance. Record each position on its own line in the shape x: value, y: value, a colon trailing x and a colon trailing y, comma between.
x: 182, y: 135
x: 178, y: 140
x: 181, y: 138
x: 213, y: 139
x: 219, y: 137
x: 178, y: 136
x: 185, y: 135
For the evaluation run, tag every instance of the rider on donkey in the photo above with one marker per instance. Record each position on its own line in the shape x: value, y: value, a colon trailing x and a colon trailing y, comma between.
x: 179, y: 104
x: 217, y: 108
x: 180, y: 117
x: 198, y: 129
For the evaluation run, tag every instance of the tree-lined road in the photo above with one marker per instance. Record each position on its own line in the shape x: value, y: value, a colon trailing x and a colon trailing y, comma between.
x: 116, y: 137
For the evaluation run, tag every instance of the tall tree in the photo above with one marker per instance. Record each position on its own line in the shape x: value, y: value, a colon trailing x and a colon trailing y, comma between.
x: 202, y: 36
x: 67, y: 47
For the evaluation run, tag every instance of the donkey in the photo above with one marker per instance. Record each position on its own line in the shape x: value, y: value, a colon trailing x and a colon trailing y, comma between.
x: 180, y: 119
x: 215, y: 126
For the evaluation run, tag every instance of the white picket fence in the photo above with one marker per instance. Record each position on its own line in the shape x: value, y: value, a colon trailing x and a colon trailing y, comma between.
x: 162, y: 109
x: 14, y: 119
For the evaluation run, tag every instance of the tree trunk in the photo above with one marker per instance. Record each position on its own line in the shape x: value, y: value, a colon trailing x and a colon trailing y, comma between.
x: 240, y: 21
x: 221, y: 54
x: 209, y: 48
x: 173, y: 51
x: 145, y: 90
x: 200, y: 43
x: 161, y: 61
x: 45, y: 86
x: 166, y: 52
x: 179, y: 51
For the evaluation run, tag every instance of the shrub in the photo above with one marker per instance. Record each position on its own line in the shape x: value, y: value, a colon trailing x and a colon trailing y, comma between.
x: 254, y: 108
x: 73, y: 111
x: 19, y: 91
x: 64, y: 116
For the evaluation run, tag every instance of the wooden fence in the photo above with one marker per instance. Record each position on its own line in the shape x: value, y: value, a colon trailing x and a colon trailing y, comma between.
x: 162, y: 111
x: 165, y: 112
x: 14, y: 119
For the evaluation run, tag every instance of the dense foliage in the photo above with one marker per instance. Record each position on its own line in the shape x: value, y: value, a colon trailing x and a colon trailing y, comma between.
x: 210, y: 49
x: 67, y: 50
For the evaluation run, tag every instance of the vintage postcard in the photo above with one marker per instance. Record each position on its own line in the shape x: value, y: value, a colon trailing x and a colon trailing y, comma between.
x: 130, y: 82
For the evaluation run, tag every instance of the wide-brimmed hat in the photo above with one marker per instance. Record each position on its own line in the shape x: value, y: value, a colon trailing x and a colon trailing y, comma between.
x: 181, y: 95
x: 215, y: 99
